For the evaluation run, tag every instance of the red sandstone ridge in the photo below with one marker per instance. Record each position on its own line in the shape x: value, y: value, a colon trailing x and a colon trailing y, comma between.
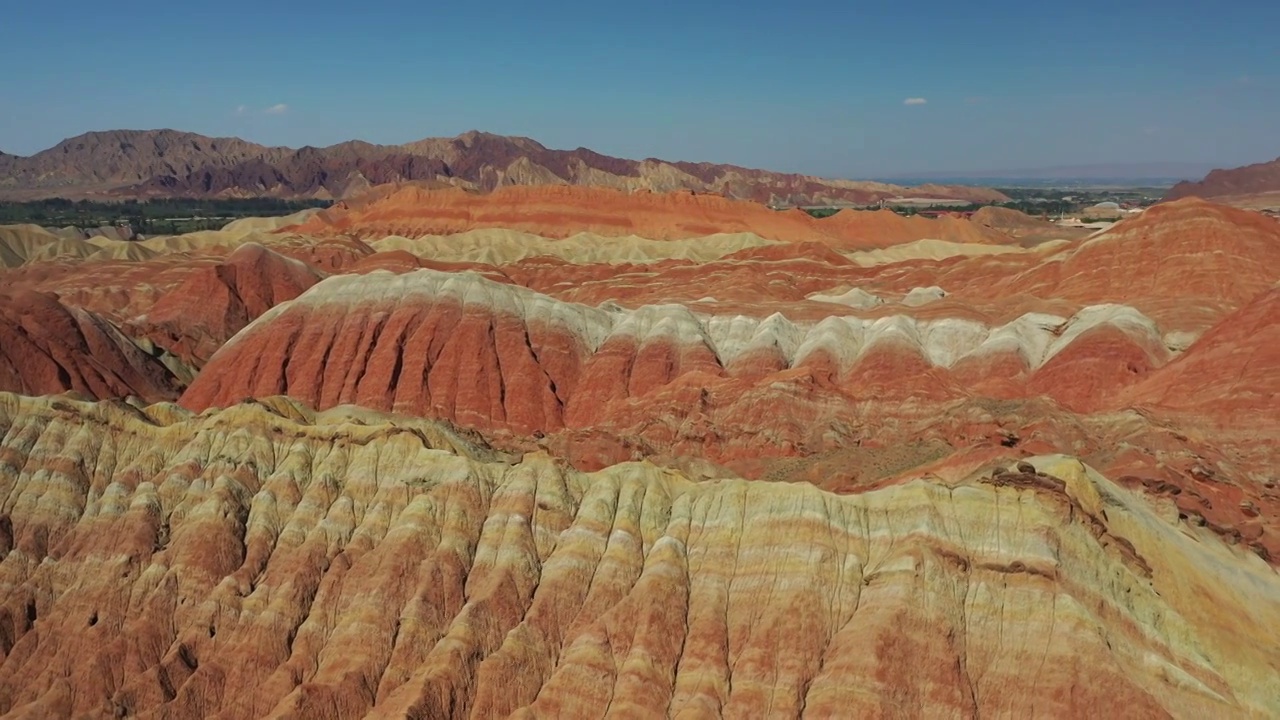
x: 562, y: 211
x: 215, y: 302
x: 558, y: 212
x: 1029, y: 229
x: 1185, y: 264
x: 190, y: 298
x: 886, y: 227
x: 499, y: 357
x: 48, y: 348
x: 1231, y: 374
x: 1242, y: 182
x: 1198, y: 256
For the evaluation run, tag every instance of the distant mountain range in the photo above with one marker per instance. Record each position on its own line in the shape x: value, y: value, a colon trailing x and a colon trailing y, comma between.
x: 169, y: 163
x: 1242, y: 184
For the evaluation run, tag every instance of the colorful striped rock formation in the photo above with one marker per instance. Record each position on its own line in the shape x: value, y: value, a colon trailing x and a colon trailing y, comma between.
x: 491, y: 355
x: 578, y: 452
x: 268, y: 561
x: 553, y: 211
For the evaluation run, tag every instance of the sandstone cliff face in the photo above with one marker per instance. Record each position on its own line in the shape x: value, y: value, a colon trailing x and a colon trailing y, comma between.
x: 272, y: 562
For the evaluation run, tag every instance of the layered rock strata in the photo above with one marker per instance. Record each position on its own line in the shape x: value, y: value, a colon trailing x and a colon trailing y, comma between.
x: 558, y: 212
x: 47, y: 347
x: 492, y: 355
x: 270, y: 561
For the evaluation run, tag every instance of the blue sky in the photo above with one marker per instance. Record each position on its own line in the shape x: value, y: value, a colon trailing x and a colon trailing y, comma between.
x: 818, y: 89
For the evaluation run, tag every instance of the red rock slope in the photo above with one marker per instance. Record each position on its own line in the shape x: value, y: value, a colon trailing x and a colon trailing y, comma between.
x: 189, y: 303
x: 499, y: 357
x: 1185, y: 264
x: 47, y: 348
x: 1231, y: 375
x: 1191, y: 251
x: 559, y: 212
x: 1241, y: 182
x: 217, y: 301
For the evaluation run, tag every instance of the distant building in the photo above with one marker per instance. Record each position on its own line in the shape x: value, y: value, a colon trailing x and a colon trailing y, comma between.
x: 1103, y: 211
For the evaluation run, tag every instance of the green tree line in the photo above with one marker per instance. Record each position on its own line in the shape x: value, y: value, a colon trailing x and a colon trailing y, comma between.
x: 153, y: 217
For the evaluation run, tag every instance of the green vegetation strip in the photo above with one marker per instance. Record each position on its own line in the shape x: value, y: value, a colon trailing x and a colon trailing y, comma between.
x: 149, y: 217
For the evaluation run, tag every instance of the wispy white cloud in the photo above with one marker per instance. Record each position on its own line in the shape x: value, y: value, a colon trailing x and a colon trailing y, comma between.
x: 915, y: 101
x: 277, y: 109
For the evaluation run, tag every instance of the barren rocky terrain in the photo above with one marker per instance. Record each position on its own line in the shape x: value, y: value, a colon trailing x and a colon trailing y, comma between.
x: 1257, y: 184
x: 616, y: 452
x: 168, y: 163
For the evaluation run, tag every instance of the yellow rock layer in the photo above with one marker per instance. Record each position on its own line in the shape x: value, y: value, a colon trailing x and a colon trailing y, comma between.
x: 268, y: 561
